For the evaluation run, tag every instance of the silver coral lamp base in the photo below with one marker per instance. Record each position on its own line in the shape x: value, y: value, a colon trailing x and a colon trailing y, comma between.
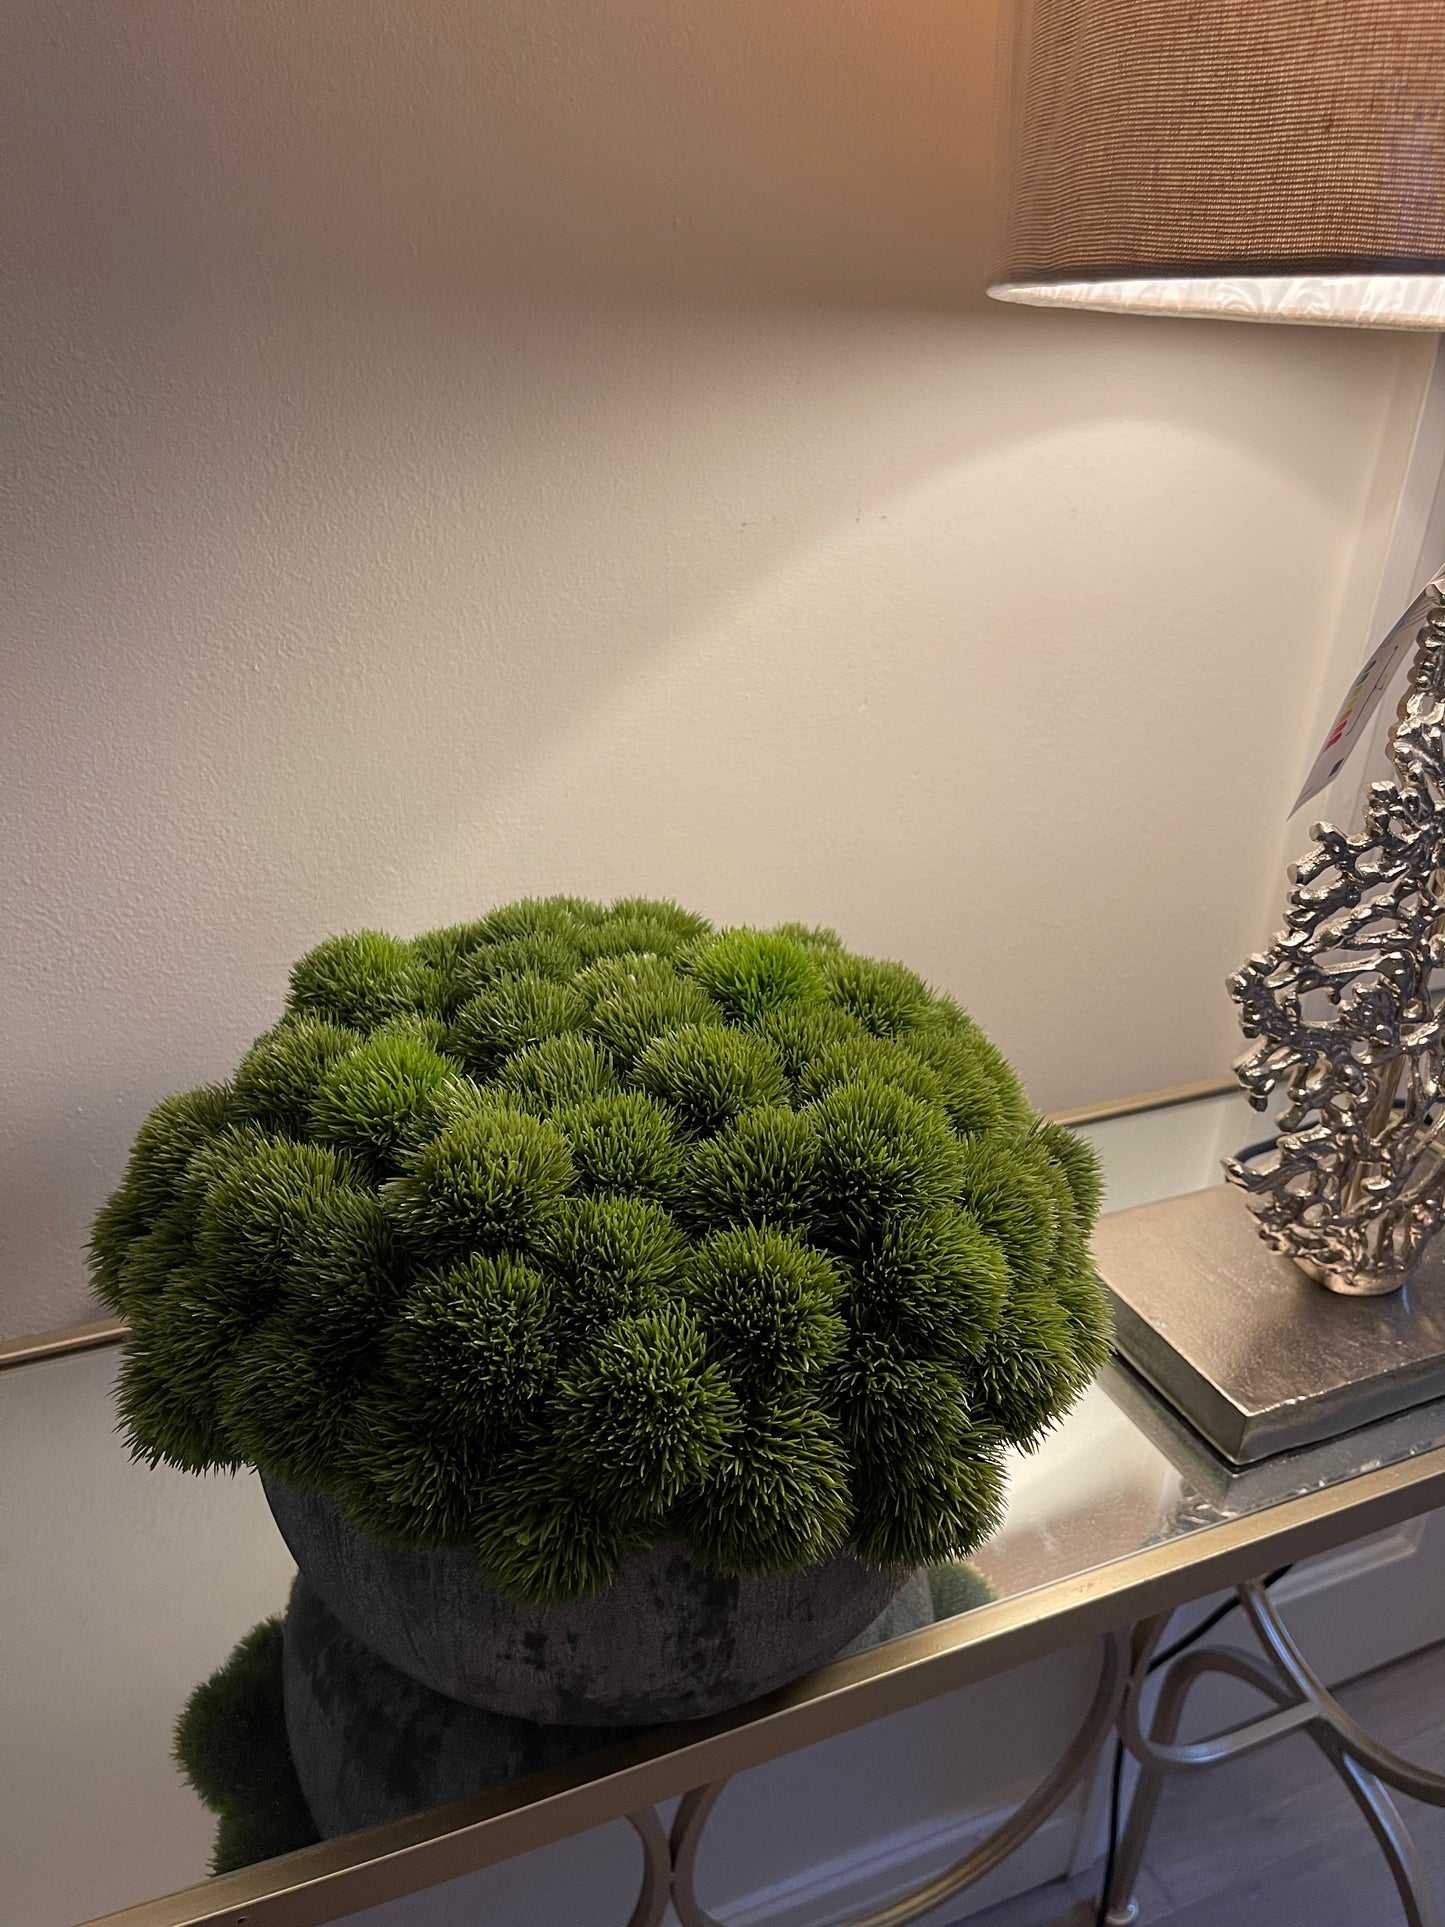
x: 1347, y: 1015
x: 1353, y: 1284
x: 1218, y: 1295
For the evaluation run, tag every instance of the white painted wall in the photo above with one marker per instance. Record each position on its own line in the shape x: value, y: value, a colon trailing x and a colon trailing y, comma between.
x: 454, y: 451
x: 458, y: 451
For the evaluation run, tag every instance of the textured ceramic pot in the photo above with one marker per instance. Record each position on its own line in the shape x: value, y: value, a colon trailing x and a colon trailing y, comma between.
x: 370, y: 1744
x: 668, y: 1640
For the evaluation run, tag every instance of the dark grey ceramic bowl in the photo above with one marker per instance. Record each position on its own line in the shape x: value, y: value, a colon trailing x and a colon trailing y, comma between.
x: 668, y: 1640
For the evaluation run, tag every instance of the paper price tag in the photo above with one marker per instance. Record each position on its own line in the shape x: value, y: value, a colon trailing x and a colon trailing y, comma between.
x: 1362, y: 698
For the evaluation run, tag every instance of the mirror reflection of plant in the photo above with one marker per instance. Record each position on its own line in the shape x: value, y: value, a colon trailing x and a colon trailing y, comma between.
x: 233, y: 1741
x: 230, y: 1743
x: 579, y: 1228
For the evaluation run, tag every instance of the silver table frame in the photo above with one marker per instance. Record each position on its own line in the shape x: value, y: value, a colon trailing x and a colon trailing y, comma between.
x: 1301, y: 1702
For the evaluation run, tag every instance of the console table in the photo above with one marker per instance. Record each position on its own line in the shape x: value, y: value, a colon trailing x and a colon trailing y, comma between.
x: 1120, y: 1519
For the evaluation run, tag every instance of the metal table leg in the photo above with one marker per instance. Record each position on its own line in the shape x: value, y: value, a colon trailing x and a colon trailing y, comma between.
x: 1302, y: 1702
x: 1071, y: 1770
x: 656, y: 1888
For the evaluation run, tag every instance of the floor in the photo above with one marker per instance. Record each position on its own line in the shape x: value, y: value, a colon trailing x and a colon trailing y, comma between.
x: 1273, y: 1840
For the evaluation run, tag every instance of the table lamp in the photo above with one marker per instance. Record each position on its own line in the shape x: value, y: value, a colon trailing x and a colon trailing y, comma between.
x: 1280, y: 161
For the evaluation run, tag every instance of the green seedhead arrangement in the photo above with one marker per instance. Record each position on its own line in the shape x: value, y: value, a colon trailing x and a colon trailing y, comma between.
x: 576, y: 1229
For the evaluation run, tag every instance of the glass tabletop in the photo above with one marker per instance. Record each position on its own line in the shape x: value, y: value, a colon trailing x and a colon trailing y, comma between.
x: 123, y: 1587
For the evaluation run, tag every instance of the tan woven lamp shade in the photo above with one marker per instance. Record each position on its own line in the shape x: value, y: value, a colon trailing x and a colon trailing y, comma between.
x: 1270, y: 160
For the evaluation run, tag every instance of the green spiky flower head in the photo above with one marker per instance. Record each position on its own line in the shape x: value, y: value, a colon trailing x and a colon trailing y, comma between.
x: 579, y: 1227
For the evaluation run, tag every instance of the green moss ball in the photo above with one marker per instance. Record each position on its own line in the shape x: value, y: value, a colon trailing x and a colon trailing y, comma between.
x: 579, y: 1227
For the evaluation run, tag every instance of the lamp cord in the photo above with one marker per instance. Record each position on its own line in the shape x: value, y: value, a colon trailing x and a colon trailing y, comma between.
x: 1116, y: 1779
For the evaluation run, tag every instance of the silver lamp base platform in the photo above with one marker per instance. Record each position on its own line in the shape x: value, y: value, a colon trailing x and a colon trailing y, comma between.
x: 1253, y: 1354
